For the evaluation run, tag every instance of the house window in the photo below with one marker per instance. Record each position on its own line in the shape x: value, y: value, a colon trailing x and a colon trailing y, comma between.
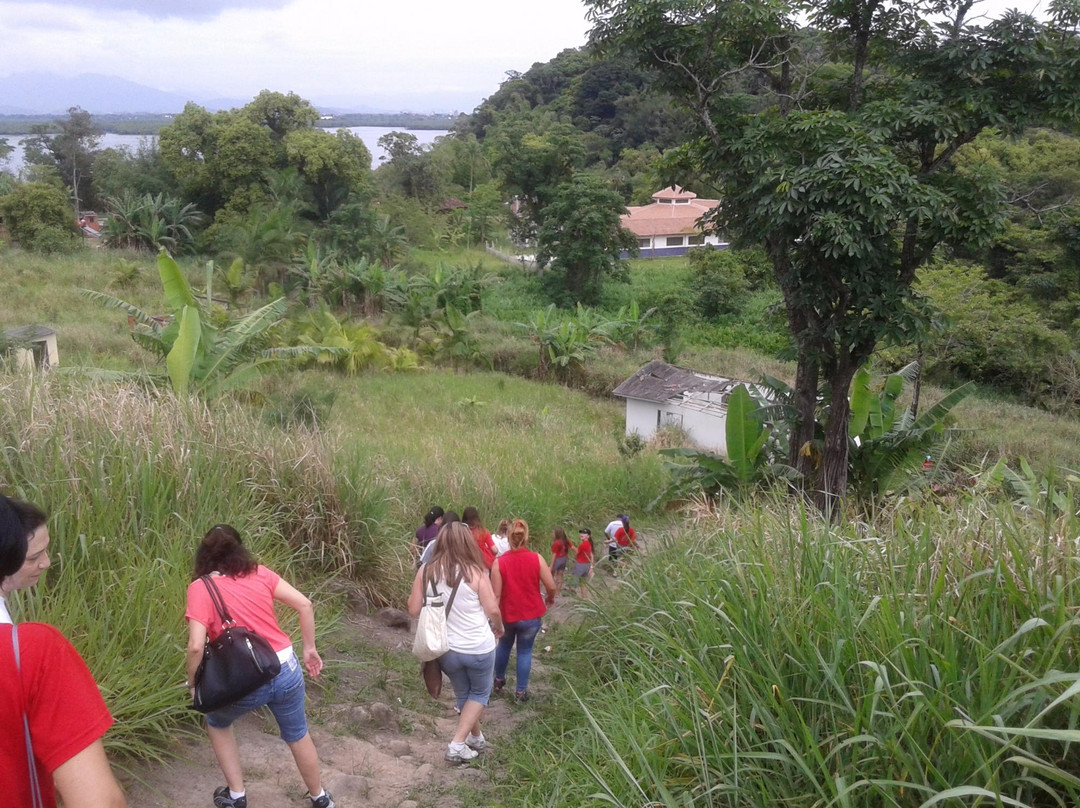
x: 682, y: 201
x: 695, y: 241
x: 644, y: 243
x: 674, y: 241
x: 673, y: 419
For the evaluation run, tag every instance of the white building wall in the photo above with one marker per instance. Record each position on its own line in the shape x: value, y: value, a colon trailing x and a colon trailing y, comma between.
x: 704, y: 429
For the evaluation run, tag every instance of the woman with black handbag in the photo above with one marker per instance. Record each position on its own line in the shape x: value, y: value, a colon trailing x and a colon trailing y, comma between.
x: 249, y: 590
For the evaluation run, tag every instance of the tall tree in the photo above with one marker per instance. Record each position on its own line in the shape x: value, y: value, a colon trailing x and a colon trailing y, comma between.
x: 582, y: 239
x: 71, y: 151
x: 846, y: 175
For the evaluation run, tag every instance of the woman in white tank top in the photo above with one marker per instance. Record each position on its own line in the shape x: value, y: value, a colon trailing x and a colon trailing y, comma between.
x: 473, y: 624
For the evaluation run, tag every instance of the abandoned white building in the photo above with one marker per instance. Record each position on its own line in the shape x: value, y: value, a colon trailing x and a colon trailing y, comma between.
x: 661, y: 394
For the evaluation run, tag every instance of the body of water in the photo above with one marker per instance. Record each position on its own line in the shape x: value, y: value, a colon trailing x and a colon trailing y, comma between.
x: 369, y: 134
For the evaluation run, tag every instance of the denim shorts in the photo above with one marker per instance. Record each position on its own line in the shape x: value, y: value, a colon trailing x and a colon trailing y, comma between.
x: 284, y: 695
x: 470, y: 674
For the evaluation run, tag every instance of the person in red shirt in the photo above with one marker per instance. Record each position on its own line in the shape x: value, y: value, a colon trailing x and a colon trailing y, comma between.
x: 516, y: 578
x: 471, y: 517
x: 561, y: 547
x: 250, y: 591
x: 583, y: 559
x: 625, y: 537
x: 47, y: 690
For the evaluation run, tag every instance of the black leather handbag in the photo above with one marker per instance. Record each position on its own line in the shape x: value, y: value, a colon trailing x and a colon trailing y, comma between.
x: 235, y: 664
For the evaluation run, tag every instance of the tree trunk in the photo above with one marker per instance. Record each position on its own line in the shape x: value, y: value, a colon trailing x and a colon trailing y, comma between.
x: 833, y: 473
x: 802, y: 432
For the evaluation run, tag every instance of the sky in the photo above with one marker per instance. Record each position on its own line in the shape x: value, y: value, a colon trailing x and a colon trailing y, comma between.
x: 328, y: 51
x: 392, y: 54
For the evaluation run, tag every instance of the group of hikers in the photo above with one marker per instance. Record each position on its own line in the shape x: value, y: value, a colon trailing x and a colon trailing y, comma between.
x: 492, y: 585
x: 55, y: 718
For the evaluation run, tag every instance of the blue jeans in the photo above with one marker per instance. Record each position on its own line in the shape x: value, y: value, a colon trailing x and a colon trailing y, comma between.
x: 284, y: 695
x: 524, y: 631
x: 470, y: 675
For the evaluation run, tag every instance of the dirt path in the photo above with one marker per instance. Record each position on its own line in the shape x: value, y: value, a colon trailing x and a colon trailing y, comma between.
x: 380, y: 737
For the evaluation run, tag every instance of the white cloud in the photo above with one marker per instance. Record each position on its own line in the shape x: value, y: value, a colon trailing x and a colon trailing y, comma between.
x: 315, y: 47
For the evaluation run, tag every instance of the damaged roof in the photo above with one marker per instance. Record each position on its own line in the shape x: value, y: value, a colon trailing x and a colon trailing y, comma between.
x: 663, y: 383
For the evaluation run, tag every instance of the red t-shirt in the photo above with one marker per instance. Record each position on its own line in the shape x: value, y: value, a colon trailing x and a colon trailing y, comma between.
x: 520, y: 598
x: 622, y: 539
x: 561, y: 548
x: 584, y: 552
x: 487, y: 546
x: 59, y: 697
x: 249, y: 600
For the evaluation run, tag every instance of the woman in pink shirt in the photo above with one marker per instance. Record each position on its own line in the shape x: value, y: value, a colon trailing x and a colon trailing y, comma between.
x: 249, y: 590
x: 516, y: 578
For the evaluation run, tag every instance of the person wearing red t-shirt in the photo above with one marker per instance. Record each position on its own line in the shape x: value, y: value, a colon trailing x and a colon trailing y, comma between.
x: 471, y: 517
x: 561, y: 548
x: 48, y: 690
x: 583, y: 560
x: 625, y: 537
x: 250, y: 591
x: 516, y: 578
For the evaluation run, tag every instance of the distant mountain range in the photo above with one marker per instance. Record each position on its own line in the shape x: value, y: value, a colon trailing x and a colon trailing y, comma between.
x: 51, y: 94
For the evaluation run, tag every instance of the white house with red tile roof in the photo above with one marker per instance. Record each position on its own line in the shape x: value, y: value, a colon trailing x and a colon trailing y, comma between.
x: 670, y: 225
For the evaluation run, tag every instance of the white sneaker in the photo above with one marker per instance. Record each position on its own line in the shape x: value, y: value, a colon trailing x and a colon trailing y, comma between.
x: 459, y: 753
x: 476, y: 742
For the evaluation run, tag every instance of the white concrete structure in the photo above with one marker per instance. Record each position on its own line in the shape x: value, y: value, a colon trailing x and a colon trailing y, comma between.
x: 661, y: 394
x: 33, y: 346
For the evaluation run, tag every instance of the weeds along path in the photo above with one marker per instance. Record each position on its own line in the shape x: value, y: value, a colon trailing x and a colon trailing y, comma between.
x: 380, y: 737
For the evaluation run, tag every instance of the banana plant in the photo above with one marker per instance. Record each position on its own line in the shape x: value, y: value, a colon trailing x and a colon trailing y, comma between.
x: 199, y: 356
x: 888, y: 443
x: 751, y: 462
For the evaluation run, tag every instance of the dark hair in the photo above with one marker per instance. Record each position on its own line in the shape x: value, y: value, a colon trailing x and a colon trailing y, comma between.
x: 449, y: 518
x: 471, y: 517
x: 222, y: 551
x: 17, y: 521
x: 13, y: 539
x: 432, y: 515
x: 625, y: 523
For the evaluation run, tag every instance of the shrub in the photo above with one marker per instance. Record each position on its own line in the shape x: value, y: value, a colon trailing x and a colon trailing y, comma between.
x: 721, y: 278
x: 38, y: 216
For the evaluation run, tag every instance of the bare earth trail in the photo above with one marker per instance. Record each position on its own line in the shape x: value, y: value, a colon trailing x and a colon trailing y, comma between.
x: 380, y: 737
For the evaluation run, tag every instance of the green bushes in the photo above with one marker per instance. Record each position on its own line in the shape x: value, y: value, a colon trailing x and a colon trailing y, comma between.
x: 768, y: 660
x: 39, y: 218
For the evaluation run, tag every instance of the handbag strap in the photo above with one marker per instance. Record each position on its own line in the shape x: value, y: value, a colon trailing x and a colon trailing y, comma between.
x: 453, y: 594
x: 218, y: 600
x: 35, y: 785
x: 435, y: 592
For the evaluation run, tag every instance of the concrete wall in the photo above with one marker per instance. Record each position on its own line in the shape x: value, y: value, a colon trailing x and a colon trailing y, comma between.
x: 707, y: 430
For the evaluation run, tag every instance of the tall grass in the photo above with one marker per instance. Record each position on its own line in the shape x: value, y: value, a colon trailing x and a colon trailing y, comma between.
x: 510, y: 447
x: 132, y: 480
x: 766, y: 660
